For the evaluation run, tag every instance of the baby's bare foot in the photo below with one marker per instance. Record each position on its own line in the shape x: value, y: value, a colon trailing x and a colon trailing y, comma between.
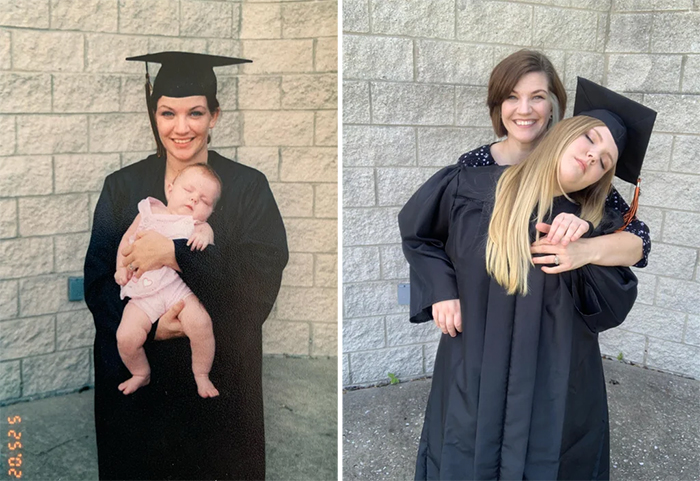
x: 205, y: 388
x: 135, y: 382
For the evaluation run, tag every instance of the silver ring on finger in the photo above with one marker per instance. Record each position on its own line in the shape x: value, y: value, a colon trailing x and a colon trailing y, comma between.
x: 131, y: 267
x: 556, y: 260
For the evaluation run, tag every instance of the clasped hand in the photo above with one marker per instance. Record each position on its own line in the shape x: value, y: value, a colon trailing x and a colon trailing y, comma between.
x: 150, y: 251
x: 562, y: 243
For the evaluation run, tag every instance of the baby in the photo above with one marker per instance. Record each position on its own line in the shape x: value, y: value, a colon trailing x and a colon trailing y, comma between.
x: 191, y: 199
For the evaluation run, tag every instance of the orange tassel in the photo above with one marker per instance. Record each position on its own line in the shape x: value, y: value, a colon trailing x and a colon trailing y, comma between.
x: 630, y: 215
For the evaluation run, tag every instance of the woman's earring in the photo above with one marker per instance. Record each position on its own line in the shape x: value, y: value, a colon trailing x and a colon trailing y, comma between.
x: 209, y: 137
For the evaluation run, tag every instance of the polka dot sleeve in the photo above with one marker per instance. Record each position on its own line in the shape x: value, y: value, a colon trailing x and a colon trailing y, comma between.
x: 636, y: 227
x: 478, y: 157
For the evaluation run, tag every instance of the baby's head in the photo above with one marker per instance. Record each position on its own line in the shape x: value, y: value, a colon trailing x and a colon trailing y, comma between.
x: 194, y: 191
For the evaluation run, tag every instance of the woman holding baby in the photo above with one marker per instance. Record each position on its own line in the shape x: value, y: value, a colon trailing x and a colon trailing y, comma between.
x: 163, y: 428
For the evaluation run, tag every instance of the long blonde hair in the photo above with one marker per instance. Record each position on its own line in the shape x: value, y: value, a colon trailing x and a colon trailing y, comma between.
x: 530, y: 186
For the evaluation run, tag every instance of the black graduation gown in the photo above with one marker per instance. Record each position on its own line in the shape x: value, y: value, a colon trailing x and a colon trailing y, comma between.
x: 165, y: 430
x: 520, y: 393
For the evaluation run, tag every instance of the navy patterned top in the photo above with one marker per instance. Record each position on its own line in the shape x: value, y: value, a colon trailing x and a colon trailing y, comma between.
x: 482, y: 156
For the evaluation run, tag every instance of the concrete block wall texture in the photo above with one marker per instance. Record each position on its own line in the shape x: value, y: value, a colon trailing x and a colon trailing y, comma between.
x: 414, y: 92
x: 72, y: 110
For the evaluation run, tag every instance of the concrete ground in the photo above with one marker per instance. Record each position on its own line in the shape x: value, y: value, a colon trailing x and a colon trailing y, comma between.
x: 300, y: 395
x: 654, y: 427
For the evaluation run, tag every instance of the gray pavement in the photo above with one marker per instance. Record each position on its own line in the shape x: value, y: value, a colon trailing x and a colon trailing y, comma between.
x: 58, y: 433
x: 654, y: 427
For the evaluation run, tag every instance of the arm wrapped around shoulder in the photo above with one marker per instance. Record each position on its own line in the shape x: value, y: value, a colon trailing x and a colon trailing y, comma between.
x: 603, y: 295
x: 424, y: 224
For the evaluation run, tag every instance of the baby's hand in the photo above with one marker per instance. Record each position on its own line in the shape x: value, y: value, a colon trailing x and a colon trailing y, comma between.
x: 202, y: 236
x: 122, y: 276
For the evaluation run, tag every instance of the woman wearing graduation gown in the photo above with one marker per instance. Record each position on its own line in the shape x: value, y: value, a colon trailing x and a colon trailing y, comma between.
x: 166, y: 430
x: 520, y: 393
x: 525, y: 98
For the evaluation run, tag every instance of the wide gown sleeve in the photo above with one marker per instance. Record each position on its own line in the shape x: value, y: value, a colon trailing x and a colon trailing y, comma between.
x: 603, y: 295
x: 262, y: 253
x: 244, y: 266
x: 201, y: 270
x: 101, y: 290
x: 424, y: 225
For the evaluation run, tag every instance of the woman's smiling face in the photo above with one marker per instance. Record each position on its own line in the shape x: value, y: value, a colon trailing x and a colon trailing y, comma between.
x: 527, y: 110
x: 183, y: 125
x: 587, y: 159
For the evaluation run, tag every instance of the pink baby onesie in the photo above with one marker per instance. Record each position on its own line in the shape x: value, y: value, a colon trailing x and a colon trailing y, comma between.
x: 158, y: 290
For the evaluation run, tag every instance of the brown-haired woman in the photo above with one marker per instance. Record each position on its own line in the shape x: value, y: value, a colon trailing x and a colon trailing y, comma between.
x: 520, y: 393
x: 525, y: 98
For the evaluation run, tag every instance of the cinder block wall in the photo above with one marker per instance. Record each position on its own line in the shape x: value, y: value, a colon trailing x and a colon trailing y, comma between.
x: 72, y: 111
x: 414, y: 91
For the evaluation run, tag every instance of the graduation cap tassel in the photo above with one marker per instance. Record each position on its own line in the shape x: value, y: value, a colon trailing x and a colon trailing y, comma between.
x: 160, y: 150
x: 629, y: 216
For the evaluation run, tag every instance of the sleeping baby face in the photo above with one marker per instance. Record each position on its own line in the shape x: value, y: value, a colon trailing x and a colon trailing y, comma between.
x: 194, y: 192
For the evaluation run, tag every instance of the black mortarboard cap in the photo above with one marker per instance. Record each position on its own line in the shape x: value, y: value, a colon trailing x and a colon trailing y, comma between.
x: 629, y: 122
x: 184, y: 74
